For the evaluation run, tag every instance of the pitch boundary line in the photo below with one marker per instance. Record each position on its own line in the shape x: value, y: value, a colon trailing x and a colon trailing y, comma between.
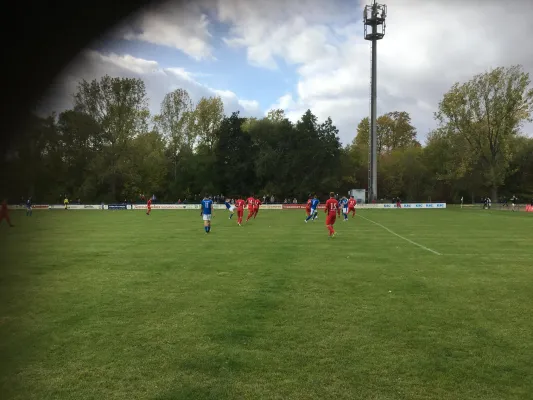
x: 400, y: 236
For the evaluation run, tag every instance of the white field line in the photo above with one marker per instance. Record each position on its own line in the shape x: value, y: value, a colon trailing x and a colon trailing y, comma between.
x: 400, y: 236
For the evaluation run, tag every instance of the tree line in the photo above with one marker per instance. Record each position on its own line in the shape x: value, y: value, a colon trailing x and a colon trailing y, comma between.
x: 109, y: 148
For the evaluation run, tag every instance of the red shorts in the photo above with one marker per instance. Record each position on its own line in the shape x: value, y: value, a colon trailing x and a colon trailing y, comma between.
x: 250, y: 210
x: 330, y: 219
x: 240, y: 212
x: 308, y: 210
x: 351, y: 209
x: 256, y: 209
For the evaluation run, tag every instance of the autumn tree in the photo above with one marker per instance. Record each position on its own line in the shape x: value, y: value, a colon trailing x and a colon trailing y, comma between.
x: 120, y: 107
x: 206, y: 119
x: 487, y: 112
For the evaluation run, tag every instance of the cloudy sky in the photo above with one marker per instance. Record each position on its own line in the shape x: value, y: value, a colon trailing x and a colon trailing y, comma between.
x: 300, y: 54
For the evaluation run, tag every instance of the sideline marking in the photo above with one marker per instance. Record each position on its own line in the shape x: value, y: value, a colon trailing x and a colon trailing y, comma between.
x: 400, y: 236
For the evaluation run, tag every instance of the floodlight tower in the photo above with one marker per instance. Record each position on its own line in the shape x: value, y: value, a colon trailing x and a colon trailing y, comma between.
x: 374, y: 17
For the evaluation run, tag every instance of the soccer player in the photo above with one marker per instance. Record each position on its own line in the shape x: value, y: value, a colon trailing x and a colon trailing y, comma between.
x: 332, y: 210
x: 230, y: 207
x: 398, y: 203
x: 313, y: 213
x: 351, y: 206
x: 4, y: 214
x: 514, y: 200
x: 250, y: 202
x: 65, y: 202
x: 149, y: 206
x: 308, y: 206
x: 344, y: 204
x: 240, y: 203
x: 207, y: 213
x: 257, y: 204
x: 28, y: 207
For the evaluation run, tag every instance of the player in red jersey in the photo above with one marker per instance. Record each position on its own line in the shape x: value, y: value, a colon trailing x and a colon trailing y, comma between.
x: 332, y: 210
x: 351, y: 206
x: 240, y: 203
x: 398, y: 203
x: 257, y: 204
x: 149, y: 206
x: 250, y: 201
x: 4, y: 214
x: 308, y: 207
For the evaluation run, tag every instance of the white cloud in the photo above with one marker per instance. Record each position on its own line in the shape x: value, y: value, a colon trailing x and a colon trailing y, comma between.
x: 169, y: 24
x: 428, y: 46
x: 159, y: 81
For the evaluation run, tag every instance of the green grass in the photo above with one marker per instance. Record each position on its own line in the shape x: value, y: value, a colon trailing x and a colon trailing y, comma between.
x: 118, y: 305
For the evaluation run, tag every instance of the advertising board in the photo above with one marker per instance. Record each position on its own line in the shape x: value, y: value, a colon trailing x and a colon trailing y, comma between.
x: 168, y: 206
x: 117, y: 207
x: 376, y: 206
x: 20, y: 207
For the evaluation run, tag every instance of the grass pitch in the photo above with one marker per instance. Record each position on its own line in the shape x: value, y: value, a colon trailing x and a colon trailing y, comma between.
x: 405, y: 304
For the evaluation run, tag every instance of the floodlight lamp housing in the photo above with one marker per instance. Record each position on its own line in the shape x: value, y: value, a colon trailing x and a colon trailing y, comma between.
x: 374, y: 16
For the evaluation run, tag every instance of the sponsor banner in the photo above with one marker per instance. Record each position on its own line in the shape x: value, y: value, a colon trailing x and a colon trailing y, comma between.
x: 406, y: 205
x: 294, y: 206
x: 271, y: 207
x: 57, y: 207
x: 168, y: 206
x: 373, y: 206
x: 84, y: 207
x: 93, y: 206
x: 34, y: 207
x: 76, y: 207
x: 117, y: 207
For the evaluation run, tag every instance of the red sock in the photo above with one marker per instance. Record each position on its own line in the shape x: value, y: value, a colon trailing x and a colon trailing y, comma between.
x: 330, y: 229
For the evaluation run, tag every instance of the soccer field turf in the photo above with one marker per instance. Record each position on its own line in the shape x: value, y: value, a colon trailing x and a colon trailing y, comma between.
x: 402, y: 304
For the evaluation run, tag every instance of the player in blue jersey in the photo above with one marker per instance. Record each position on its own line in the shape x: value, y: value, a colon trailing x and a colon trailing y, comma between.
x: 207, y: 213
x: 29, y: 210
x: 344, y: 205
x: 313, y: 214
x: 230, y: 207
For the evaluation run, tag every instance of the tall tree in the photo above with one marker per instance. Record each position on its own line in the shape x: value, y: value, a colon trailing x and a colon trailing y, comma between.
x: 174, y: 123
x: 395, y: 131
x: 175, y: 117
x: 234, y: 157
x: 276, y: 115
x: 487, y: 112
x: 120, y: 107
x: 207, y: 117
x: 80, y: 138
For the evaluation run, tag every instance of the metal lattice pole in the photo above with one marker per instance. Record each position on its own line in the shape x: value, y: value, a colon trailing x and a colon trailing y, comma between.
x: 374, y: 16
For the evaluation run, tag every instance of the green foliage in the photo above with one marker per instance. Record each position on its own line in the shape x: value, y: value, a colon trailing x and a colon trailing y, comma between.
x: 109, y: 148
x: 486, y: 113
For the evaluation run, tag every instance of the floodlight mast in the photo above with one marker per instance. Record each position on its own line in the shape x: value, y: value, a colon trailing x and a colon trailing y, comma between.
x: 374, y: 17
